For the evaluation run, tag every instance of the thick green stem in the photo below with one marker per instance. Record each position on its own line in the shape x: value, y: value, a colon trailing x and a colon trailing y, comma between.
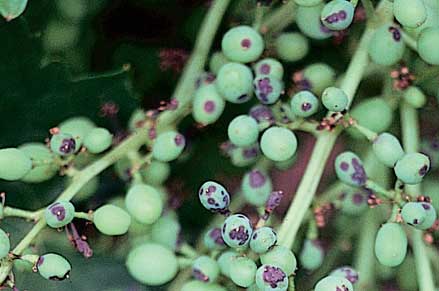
x: 411, y: 139
x: 280, y: 18
x: 16, y: 212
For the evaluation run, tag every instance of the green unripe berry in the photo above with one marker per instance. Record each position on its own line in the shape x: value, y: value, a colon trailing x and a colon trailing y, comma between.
x: 43, y: 163
x: 78, y: 127
x: 63, y: 144
x: 235, y: 82
x: 309, y: 23
x: 156, y: 173
x: 168, y: 146
x: 213, y: 239
x: 291, y: 46
x: 337, y: 14
x: 243, y: 271
x: 391, y: 244
x: 414, y: 96
x: 144, y: 203
x: 12, y: 9
x: 430, y: 216
x: 278, y: 143
x: 237, y: 231
x: 59, y: 214
x: 111, y: 220
x: 413, y: 213
x: 346, y: 272
x: 196, y: 285
x: 269, y: 67
x: 226, y: 260
x: 242, y: 44
x: 312, y: 254
x: 98, y: 140
x: 14, y: 164
x: 166, y: 231
x: 281, y: 257
x: 410, y: 13
x: 263, y: 239
x: 387, y: 149
x: 304, y: 104
x: 333, y: 283
x: 205, y: 269
x: 335, y: 99
x: 353, y: 201
x: 256, y: 187
x: 319, y: 76
x: 5, y: 244
x: 208, y: 105
x: 412, y: 167
x: 137, y: 119
x: 349, y: 169
x: 374, y: 114
x: 244, y: 156
x: 386, y: 46
x: 428, y: 43
x: 271, y: 278
x: 243, y: 130
x: 152, y: 264
x: 53, y: 267
x: 217, y: 60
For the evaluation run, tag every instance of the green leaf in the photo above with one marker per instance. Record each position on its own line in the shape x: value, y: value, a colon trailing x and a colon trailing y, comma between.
x: 11, y: 9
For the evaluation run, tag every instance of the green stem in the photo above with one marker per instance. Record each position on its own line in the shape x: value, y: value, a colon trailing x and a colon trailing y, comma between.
x: 369, y: 134
x: 410, y: 41
x: 411, y: 139
x: 84, y: 215
x: 16, y: 212
x: 279, y: 18
x: 379, y: 190
x: 259, y: 15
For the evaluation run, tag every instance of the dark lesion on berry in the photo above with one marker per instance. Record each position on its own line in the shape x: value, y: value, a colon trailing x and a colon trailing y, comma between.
x: 62, y: 278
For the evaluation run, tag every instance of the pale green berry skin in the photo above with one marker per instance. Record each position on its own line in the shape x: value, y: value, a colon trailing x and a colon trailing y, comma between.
x: 412, y: 168
x: 428, y: 43
x: 308, y: 3
x: 14, y: 164
x: 98, y: 140
x: 309, y: 23
x: 196, y: 285
x: 346, y: 272
x: 63, y: 144
x: 208, y: 105
x: 269, y: 67
x: 413, y: 213
x: 111, y: 220
x: 349, y: 169
x: 78, y: 127
x: 243, y: 271
x: 168, y: 146
x: 291, y: 46
x: 53, y: 267
x: 12, y: 9
x: 335, y: 99
x: 5, y: 244
x: 432, y: 19
x: 235, y: 83
x: 387, y: 149
x: 59, y: 214
x: 304, y: 104
x: 430, y: 217
x: 256, y: 187
x: 226, y: 260
x: 136, y: 119
x: 281, y: 285
x: 353, y: 201
x: 166, y: 231
x: 244, y: 156
x: 281, y: 257
x: 144, y: 203
x: 208, y: 268
x: 391, y: 244
x: 335, y: 7
x: 264, y: 83
x: 311, y: 256
x: 386, y: 46
x: 243, y: 130
x: 156, y: 173
x: 44, y: 167
x: 152, y: 264
x: 415, y: 97
x: 263, y: 239
x: 232, y: 225
x: 431, y: 188
x: 242, y: 44
x: 374, y: 114
x: 410, y: 13
x: 333, y: 283
x: 320, y: 76
x: 217, y: 60
x: 278, y: 144
x: 214, y: 197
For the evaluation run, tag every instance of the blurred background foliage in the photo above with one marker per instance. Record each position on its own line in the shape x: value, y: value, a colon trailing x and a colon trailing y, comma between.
x: 64, y: 58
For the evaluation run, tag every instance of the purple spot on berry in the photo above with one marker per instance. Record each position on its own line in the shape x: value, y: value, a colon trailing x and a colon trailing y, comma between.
x: 240, y: 234
x: 344, y: 166
x: 255, y: 235
x: 40, y: 261
x: 179, y: 140
x: 264, y: 89
x: 342, y: 15
x: 200, y: 275
x: 415, y: 221
x: 246, y: 43
x: 350, y: 274
x: 357, y: 198
x: 273, y: 276
x: 262, y: 113
x: 210, y: 190
x: 59, y: 211
x: 423, y: 170
x: 265, y: 69
x: 426, y: 206
x: 396, y: 34
x: 250, y: 153
x: 201, y: 191
x: 257, y: 179
x: 359, y: 175
x: 209, y: 106
x: 274, y: 200
x: 211, y: 201
x: 306, y: 106
x: 215, y: 235
x: 67, y: 146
